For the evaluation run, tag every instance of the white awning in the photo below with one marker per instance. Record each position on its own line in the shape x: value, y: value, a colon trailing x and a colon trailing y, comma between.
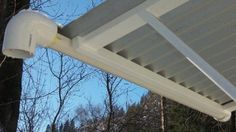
x: 184, y: 50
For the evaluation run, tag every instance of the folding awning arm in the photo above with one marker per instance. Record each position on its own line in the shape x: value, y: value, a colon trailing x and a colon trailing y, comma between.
x: 209, y: 71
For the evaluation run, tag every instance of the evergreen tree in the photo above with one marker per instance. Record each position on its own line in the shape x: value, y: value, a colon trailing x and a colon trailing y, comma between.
x: 144, y: 116
x: 68, y: 126
x: 61, y: 128
x: 48, y: 129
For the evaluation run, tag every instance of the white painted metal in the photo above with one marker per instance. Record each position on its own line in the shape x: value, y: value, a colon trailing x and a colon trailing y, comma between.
x: 126, y: 23
x: 122, y: 44
x: 115, y: 30
x: 89, y: 49
x: 115, y: 64
x: 193, y: 57
x: 230, y: 106
x: 25, y: 31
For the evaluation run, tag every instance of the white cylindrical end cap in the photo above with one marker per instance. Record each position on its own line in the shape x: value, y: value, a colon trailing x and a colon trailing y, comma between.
x: 225, y: 118
x: 24, y: 31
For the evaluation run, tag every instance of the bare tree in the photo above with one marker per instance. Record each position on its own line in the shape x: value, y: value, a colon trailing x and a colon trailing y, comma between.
x: 34, y: 98
x: 35, y: 102
x: 68, y: 74
x: 107, y: 117
x: 90, y: 117
x: 111, y: 84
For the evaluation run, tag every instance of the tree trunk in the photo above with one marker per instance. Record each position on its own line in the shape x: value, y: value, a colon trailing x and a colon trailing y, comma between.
x: 232, y: 122
x: 10, y: 71
x: 110, y: 102
x: 163, y: 115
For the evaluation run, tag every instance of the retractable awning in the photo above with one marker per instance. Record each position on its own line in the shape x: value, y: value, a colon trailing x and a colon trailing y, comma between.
x: 184, y: 50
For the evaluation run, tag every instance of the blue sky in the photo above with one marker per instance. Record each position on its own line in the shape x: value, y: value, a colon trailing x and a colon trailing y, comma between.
x: 63, y: 12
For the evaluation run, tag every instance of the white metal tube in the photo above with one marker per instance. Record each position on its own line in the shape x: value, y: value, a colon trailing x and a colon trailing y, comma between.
x: 24, y: 31
x: 171, y: 90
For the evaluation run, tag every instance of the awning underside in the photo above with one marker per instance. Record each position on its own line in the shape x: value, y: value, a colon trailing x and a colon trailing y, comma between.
x: 148, y: 49
x: 208, y: 27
